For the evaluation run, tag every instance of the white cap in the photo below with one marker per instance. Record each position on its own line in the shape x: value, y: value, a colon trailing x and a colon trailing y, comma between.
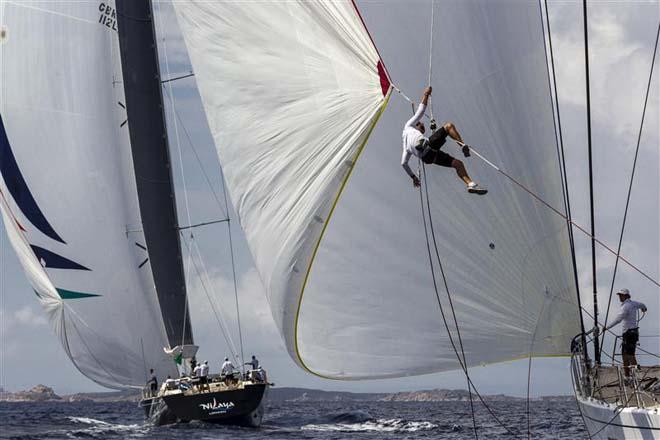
x: 623, y: 292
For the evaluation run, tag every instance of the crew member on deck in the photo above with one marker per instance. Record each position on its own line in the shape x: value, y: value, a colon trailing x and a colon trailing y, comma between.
x: 203, y: 374
x: 197, y: 371
x: 254, y: 363
x: 415, y: 144
x: 227, y: 370
x: 630, y: 335
x: 152, y: 382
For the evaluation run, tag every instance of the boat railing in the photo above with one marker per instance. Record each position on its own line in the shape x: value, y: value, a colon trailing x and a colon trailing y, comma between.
x: 608, y: 381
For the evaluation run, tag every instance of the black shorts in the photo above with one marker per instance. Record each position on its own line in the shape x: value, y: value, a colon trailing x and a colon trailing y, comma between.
x: 630, y: 338
x: 432, y: 152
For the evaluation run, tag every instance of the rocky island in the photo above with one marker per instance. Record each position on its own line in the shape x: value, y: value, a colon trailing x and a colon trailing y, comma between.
x: 42, y: 393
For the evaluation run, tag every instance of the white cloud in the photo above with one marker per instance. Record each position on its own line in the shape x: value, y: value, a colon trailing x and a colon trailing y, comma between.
x: 26, y: 316
x: 619, y: 66
x: 12, y: 322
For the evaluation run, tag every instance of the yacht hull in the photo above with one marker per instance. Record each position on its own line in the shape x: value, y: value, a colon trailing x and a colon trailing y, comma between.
x: 242, y: 407
x: 606, y: 421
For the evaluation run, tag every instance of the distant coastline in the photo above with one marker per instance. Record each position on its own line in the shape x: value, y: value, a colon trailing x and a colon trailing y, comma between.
x: 42, y: 393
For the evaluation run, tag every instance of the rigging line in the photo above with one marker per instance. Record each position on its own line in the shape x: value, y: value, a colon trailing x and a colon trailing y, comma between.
x: 196, y: 225
x: 435, y: 287
x: 176, y: 125
x: 185, y: 309
x: 431, y: 55
x: 176, y: 78
x: 559, y: 213
x: 562, y: 156
x: 233, y: 271
x: 208, y: 279
x: 529, y: 363
x: 591, y: 177
x: 199, y: 161
x: 178, y: 147
x: 632, y: 177
x: 218, y: 316
x: 451, y: 304
x: 451, y: 339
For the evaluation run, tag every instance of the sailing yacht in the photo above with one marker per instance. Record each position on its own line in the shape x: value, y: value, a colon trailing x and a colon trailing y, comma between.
x: 303, y: 112
x: 88, y: 201
x: 337, y: 237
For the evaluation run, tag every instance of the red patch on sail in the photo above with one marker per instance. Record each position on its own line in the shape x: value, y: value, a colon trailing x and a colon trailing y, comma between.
x: 384, y: 80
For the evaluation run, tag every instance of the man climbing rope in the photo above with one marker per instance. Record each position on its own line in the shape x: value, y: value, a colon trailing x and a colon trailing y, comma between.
x: 630, y: 335
x: 415, y: 144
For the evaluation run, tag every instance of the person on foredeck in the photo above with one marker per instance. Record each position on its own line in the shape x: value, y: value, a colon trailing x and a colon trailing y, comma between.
x: 428, y: 149
x: 254, y: 363
x: 153, y: 382
x: 203, y: 374
x: 630, y: 334
x: 227, y: 371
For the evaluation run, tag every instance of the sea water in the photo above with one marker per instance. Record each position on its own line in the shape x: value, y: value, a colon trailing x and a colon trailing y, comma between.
x: 299, y: 420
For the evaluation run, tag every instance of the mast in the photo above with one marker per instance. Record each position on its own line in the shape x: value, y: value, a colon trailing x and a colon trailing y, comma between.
x: 591, y: 183
x: 151, y: 161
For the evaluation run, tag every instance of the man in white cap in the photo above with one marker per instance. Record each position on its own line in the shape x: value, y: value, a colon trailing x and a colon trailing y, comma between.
x: 630, y: 334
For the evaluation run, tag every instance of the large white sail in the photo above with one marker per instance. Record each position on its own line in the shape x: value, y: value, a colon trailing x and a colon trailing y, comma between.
x: 70, y: 204
x: 292, y: 91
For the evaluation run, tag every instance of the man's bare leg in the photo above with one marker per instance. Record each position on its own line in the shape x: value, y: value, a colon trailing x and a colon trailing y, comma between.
x: 452, y: 132
x: 461, y: 171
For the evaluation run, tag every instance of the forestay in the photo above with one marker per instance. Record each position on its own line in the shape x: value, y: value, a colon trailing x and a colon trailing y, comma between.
x: 291, y: 91
x: 69, y: 200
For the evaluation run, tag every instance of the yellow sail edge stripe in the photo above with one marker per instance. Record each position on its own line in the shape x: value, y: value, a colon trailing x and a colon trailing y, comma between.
x: 325, y: 225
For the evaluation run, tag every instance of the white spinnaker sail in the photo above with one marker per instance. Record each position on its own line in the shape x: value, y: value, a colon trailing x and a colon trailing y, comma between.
x: 70, y: 205
x: 291, y: 90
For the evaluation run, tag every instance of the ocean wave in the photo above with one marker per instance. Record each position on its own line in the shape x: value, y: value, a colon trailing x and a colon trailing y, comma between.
x: 100, y: 429
x: 378, y: 425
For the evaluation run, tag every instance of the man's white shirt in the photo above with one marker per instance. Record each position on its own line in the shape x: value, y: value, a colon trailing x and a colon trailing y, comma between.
x: 227, y: 367
x: 628, y: 315
x: 203, y: 370
x: 412, y: 138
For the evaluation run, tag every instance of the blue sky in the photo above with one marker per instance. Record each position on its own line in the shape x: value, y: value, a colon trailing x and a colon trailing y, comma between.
x: 622, y: 36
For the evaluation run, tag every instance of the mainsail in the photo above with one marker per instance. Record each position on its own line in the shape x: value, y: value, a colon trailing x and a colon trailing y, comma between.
x: 292, y: 91
x: 70, y: 202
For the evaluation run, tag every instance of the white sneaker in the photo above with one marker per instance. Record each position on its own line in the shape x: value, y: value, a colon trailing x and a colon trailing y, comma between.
x: 476, y: 189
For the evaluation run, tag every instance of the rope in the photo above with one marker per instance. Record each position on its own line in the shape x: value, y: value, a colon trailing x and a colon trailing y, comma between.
x: 444, y: 279
x: 431, y: 56
x: 632, y: 177
x: 559, y: 139
x: 227, y: 220
x: 200, y: 163
x: 451, y: 339
x: 218, y: 315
